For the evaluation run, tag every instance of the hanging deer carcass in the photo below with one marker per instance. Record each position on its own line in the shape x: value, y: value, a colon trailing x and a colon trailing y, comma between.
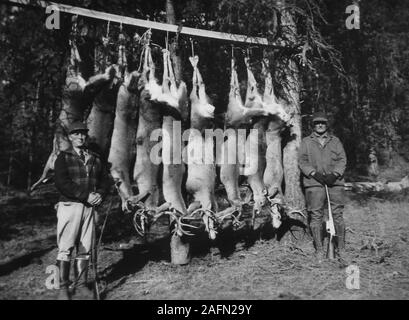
x: 146, y: 169
x: 101, y: 118
x: 122, y: 151
x: 239, y: 115
x: 173, y: 168
x: 77, y: 95
x: 150, y: 120
x: 201, y: 173
x: 257, y: 152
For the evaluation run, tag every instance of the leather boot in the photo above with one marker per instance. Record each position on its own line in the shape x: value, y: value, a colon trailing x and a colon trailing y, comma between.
x: 316, y: 232
x: 340, y: 232
x: 64, y: 270
x: 82, y: 292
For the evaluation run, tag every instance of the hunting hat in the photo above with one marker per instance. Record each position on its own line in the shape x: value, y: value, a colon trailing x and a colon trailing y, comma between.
x: 77, y: 126
x: 319, y: 116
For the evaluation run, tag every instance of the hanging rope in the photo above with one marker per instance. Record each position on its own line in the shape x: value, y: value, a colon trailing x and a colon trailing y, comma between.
x: 265, y: 65
x: 193, y: 47
x: 105, y: 43
x: 75, y: 58
x: 107, y: 35
x: 141, y: 58
x: 122, y: 61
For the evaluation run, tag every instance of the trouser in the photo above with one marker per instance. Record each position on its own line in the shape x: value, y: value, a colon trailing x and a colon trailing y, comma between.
x: 316, y: 199
x: 75, y: 228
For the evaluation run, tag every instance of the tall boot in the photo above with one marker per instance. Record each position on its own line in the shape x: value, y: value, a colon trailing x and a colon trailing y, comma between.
x: 82, y: 292
x: 340, y: 232
x: 64, y: 270
x: 316, y: 231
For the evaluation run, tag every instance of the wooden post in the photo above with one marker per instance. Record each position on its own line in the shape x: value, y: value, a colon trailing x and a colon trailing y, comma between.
x: 170, y: 27
x: 30, y: 168
x: 173, y: 173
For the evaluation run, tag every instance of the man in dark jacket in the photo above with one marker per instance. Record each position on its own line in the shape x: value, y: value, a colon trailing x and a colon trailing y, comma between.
x: 82, y: 180
x: 322, y: 161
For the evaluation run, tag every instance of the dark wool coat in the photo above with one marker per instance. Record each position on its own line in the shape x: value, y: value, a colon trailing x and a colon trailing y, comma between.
x: 324, y: 159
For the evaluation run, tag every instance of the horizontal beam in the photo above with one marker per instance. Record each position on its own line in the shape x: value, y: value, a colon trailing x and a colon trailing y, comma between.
x: 149, y: 24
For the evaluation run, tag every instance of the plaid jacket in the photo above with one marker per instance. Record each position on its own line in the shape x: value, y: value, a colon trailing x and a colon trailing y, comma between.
x: 75, y: 180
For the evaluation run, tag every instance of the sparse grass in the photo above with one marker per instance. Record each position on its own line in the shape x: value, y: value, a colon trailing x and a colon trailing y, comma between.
x: 377, y: 241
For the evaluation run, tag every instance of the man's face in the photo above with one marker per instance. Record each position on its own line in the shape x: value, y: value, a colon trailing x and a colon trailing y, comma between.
x: 320, y: 127
x: 78, y: 138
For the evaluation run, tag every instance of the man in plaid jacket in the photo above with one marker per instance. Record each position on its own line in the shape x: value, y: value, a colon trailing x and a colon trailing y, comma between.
x: 82, y: 180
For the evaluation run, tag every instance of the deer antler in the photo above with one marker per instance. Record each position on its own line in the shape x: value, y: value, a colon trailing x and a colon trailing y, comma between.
x: 177, y: 217
x: 144, y: 217
x: 209, y: 220
x: 140, y: 221
x: 275, y: 205
x: 230, y: 213
x: 295, y: 211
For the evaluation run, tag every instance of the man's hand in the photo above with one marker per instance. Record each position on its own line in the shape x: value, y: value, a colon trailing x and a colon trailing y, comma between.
x: 319, y: 177
x: 330, y: 179
x: 94, y: 199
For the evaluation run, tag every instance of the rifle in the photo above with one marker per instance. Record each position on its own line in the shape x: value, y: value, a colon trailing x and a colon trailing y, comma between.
x: 94, y: 257
x: 329, y: 226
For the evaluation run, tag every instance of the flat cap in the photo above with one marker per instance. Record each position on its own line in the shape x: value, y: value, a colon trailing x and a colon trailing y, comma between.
x: 319, y: 116
x: 77, y: 126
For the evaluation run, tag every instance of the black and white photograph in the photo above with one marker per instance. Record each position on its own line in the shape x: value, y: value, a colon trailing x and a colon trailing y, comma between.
x: 204, y: 156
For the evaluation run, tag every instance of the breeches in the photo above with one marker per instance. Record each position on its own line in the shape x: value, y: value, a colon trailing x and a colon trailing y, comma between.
x: 316, y: 199
x: 75, y: 228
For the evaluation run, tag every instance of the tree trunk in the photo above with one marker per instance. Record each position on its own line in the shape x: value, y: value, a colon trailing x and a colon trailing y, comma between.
x: 173, y: 173
x: 33, y: 137
x: 30, y: 166
x: 293, y: 193
x: 273, y: 174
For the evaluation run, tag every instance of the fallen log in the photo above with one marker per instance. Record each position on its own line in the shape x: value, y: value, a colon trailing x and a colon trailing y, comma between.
x: 378, y: 186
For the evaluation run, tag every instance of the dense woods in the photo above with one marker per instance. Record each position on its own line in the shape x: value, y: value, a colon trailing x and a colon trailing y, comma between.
x: 359, y: 77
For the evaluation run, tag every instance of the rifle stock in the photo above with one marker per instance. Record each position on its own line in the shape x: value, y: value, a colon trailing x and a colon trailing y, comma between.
x: 329, y: 224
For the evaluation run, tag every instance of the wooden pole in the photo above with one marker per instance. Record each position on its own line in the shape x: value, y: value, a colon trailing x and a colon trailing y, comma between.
x: 170, y: 27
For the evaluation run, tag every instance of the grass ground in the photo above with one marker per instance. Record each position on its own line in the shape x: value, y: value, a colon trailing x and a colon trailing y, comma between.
x: 377, y: 241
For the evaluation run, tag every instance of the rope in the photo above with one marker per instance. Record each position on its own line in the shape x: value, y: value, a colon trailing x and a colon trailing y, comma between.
x: 108, y: 24
x: 193, y: 47
x: 122, y: 61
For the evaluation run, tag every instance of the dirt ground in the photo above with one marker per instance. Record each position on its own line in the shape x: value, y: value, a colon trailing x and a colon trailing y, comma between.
x: 237, y: 266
